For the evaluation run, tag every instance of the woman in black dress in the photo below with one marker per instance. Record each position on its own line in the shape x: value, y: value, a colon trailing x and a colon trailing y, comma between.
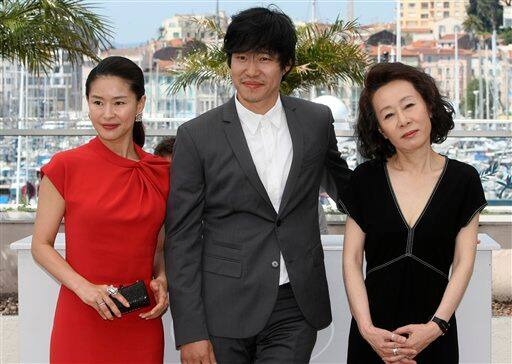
x: 414, y: 214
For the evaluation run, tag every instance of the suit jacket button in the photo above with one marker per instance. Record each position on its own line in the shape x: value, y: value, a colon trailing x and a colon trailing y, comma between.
x: 275, y: 264
x: 278, y: 223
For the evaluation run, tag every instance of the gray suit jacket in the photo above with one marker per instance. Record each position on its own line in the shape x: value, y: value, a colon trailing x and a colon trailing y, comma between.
x: 224, y: 238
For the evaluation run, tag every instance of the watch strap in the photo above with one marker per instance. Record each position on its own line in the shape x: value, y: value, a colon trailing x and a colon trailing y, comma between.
x: 443, y: 325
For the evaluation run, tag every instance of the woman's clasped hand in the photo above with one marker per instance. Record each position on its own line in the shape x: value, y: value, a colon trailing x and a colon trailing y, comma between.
x: 391, y: 347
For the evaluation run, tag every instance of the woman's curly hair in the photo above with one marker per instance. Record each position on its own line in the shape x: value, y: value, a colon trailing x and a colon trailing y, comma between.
x: 370, y: 142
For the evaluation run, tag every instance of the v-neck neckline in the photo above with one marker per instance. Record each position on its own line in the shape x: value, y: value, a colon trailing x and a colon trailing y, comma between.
x: 397, y: 205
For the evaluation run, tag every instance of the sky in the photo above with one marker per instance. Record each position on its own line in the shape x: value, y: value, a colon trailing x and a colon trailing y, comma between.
x: 137, y: 21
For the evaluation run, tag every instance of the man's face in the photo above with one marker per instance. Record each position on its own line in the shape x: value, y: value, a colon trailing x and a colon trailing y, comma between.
x: 257, y: 77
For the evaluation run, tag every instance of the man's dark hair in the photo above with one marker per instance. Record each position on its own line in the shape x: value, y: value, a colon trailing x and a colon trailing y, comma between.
x: 371, y: 143
x: 262, y: 30
x: 165, y: 147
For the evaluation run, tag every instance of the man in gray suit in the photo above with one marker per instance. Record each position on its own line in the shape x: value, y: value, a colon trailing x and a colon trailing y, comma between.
x: 245, y: 264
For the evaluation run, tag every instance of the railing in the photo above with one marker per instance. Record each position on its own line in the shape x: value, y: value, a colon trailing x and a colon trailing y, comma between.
x: 485, y: 144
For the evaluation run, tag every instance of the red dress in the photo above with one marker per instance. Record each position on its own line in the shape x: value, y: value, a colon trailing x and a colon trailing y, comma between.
x: 114, y: 209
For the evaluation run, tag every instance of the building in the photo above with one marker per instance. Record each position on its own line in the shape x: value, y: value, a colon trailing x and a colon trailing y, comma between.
x: 415, y: 14
x: 188, y: 26
x: 53, y: 95
x: 507, y: 13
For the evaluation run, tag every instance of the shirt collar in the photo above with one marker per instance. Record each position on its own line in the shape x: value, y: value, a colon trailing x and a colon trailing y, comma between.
x: 252, y: 120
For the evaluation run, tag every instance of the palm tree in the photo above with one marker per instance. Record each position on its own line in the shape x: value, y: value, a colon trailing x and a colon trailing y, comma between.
x: 325, y: 55
x: 34, y: 31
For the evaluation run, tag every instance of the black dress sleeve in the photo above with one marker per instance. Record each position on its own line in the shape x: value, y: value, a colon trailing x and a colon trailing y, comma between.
x: 474, y: 198
x: 351, y: 198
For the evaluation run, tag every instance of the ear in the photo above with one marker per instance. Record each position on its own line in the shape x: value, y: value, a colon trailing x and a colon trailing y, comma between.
x: 141, y: 103
x: 287, y: 68
x: 382, y: 132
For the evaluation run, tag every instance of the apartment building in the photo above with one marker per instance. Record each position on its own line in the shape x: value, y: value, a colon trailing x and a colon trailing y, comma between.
x: 422, y: 14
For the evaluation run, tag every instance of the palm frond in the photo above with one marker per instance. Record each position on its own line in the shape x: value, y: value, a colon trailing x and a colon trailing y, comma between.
x: 34, y: 31
x: 200, y: 67
x: 325, y: 55
x: 210, y: 25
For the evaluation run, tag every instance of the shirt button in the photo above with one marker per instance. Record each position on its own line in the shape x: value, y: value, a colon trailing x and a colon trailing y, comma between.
x: 275, y: 264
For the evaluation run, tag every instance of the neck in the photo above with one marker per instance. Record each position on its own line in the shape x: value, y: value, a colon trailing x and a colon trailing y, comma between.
x: 122, y: 147
x: 259, y: 107
x: 419, y: 161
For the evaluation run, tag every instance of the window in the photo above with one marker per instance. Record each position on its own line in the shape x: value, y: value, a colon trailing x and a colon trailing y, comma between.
x: 412, y: 5
x: 424, y: 5
x: 424, y: 16
x: 446, y: 14
x: 446, y: 5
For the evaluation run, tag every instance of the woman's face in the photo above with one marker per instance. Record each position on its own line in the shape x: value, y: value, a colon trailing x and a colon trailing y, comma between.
x: 113, y: 107
x: 403, y: 115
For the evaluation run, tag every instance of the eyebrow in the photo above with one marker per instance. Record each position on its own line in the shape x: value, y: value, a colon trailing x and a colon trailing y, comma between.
x: 115, y: 98
x: 401, y: 100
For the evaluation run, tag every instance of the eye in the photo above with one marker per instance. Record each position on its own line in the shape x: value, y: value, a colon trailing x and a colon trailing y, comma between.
x: 387, y: 116
x: 265, y: 59
x: 97, y: 102
x: 409, y: 105
x: 241, y: 57
x: 120, y: 103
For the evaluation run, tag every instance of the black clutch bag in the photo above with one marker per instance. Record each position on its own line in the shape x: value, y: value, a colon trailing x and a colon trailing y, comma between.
x: 136, y: 294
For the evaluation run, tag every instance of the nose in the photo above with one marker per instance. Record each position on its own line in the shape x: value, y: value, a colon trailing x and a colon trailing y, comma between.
x: 252, y: 68
x: 108, y: 111
x: 402, y: 119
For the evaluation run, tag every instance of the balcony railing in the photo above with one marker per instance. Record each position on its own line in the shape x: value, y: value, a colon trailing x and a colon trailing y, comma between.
x: 485, y: 144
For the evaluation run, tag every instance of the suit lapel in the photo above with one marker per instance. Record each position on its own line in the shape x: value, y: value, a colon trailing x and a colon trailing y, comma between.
x: 296, y: 134
x: 238, y: 143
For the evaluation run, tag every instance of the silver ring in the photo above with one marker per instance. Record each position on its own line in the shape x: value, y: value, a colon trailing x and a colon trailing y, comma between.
x: 392, y: 337
x: 395, y: 351
x: 112, y: 291
x: 101, y: 303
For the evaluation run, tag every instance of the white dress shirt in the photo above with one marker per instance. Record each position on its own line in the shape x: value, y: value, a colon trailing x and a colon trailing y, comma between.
x: 271, y: 150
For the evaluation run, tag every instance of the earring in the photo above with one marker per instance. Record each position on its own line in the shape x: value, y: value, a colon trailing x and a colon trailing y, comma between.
x: 138, y: 118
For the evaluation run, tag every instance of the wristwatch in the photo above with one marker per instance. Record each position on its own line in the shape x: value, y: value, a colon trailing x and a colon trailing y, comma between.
x: 443, y: 325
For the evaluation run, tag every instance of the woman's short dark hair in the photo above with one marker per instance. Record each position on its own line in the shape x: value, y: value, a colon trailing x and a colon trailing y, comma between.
x: 127, y: 70
x: 371, y: 143
x: 262, y: 30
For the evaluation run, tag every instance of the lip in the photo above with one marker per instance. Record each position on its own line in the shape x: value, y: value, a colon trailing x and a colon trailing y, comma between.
x: 252, y: 84
x: 110, y: 126
x: 410, y: 134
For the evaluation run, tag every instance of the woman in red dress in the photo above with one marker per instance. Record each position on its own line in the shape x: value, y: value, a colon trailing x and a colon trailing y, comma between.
x: 113, y: 197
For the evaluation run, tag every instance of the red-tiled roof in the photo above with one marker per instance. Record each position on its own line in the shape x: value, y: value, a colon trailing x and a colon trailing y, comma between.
x: 416, y: 30
x: 423, y: 43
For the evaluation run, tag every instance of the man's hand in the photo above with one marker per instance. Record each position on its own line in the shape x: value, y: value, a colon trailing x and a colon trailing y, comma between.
x: 199, y: 352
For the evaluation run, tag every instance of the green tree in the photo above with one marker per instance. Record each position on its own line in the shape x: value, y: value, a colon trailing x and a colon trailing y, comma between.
x: 483, y: 16
x: 33, y: 32
x: 506, y: 36
x: 325, y: 54
x: 470, y: 96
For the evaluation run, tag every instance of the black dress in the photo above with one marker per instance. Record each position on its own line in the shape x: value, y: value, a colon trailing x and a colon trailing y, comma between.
x: 407, y: 267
